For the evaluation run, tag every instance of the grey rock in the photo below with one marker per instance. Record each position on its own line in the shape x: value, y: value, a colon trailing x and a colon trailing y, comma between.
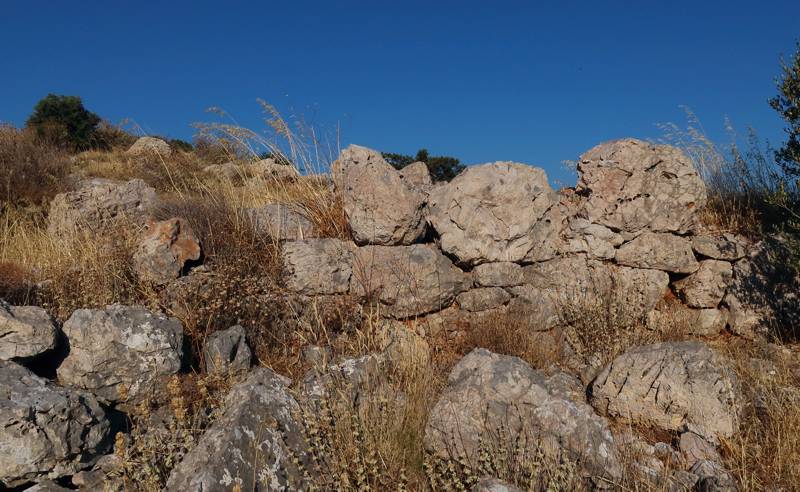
x: 120, y: 352
x: 227, y: 351
x: 713, y: 477
x: 634, y: 186
x: 271, y: 169
x: 695, y: 448
x: 318, y: 266
x: 46, y: 431
x: 150, y: 146
x: 47, y: 486
x: 164, y: 250
x: 406, y: 280
x: 479, y: 217
x: 225, y: 171
x: 705, y: 287
x: 597, y: 240
x: 675, y: 386
x: 381, y: 207
x: 252, y: 445
x: 659, y: 251
x: 99, y: 203
x: 25, y: 331
x: 708, y: 322
x: 499, y: 274
x: 486, y: 391
x: 352, y: 379
x: 729, y: 247
x: 316, y: 355
x: 483, y: 299
x: 417, y: 176
x: 280, y: 222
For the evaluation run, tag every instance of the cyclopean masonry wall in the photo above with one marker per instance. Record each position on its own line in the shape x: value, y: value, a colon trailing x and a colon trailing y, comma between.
x: 498, y: 238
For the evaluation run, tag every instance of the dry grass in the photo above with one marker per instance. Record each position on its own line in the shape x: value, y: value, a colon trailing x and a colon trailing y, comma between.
x: 31, y: 171
x: 765, y: 454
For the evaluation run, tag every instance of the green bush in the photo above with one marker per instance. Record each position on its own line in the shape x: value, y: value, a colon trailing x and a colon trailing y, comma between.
x: 64, y: 121
x: 442, y: 168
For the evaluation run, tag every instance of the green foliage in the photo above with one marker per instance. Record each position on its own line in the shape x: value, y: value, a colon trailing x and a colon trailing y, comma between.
x: 442, y: 168
x: 64, y: 121
x: 787, y: 104
x: 178, y: 144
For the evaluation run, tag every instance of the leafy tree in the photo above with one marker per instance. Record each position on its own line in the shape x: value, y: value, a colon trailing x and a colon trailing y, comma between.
x: 64, y: 121
x: 442, y: 168
x: 787, y: 104
x: 182, y: 145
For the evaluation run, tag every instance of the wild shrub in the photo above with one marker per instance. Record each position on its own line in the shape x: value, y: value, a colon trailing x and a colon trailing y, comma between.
x: 63, y: 121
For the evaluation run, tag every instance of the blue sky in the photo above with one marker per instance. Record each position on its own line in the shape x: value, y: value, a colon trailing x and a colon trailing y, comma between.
x: 482, y: 81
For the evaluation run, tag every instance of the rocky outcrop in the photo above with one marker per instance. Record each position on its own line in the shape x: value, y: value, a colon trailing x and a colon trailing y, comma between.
x: 417, y: 176
x: 280, y: 222
x: 46, y: 431
x: 25, y: 331
x: 318, y: 266
x: 706, y: 287
x: 479, y: 214
x: 251, y: 446
x: 380, y: 206
x: 483, y: 299
x: 501, y: 274
x: 120, y: 352
x: 725, y: 246
x: 487, y: 391
x: 226, y: 351
x: 271, y: 169
x: 634, y: 186
x: 675, y: 386
x: 659, y: 251
x: 150, y: 146
x: 406, y: 280
x: 164, y: 250
x: 99, y: 203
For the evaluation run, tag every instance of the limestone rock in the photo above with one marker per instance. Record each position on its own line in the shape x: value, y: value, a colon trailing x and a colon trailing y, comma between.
x: 406, y: 280
x: 318, y: 266
x: 150, y: 146
x: 46, y: 431
x: 251, y: 446
x: 280, y: 222
x: 120, y: 352
x: 728, y: 247
x: 695, y: 448
x: 659, y: 251
x: 380, y: 206
x: 706, y: 287
x: 597, y: 240
x: 674, y: 386
x: 499, y: 274
x: 634, y: 186
x: 25, y: 331
x: 353, y: 379
x: 164, y: 250
x: 483, y: 299
x: 486, y: 391
x: 488, y: 484
x: 271, y: 169
x: 490, y: 213
x: 98, y: 203
x: 227, y: 351
x: 417, y: 176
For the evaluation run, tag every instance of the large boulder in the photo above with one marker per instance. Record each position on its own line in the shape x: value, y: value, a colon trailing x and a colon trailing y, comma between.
x: 25, y: 331
x: 483, y: 299
x: 633, y: 186
x: 318, y: 266
x: 251, y: 446
x: 280, y: 222
x: 500, y: 274
x: 46, y: 431
x: 120, y: 352
x: 150, y: 146
x: 706, y: 287
x: 406, y: 280
x: 487, y: 392
x: 562, y: 286
x: 660, y: 251
x: 164, y: 250
x: 728, y: 247
x: 99, y: 203
x: 417, y: 176
x: 675, y: 386
x: 380, y: 206
x: 492, y: 212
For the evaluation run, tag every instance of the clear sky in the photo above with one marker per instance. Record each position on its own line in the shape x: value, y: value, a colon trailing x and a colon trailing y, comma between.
x: 535, y: 82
